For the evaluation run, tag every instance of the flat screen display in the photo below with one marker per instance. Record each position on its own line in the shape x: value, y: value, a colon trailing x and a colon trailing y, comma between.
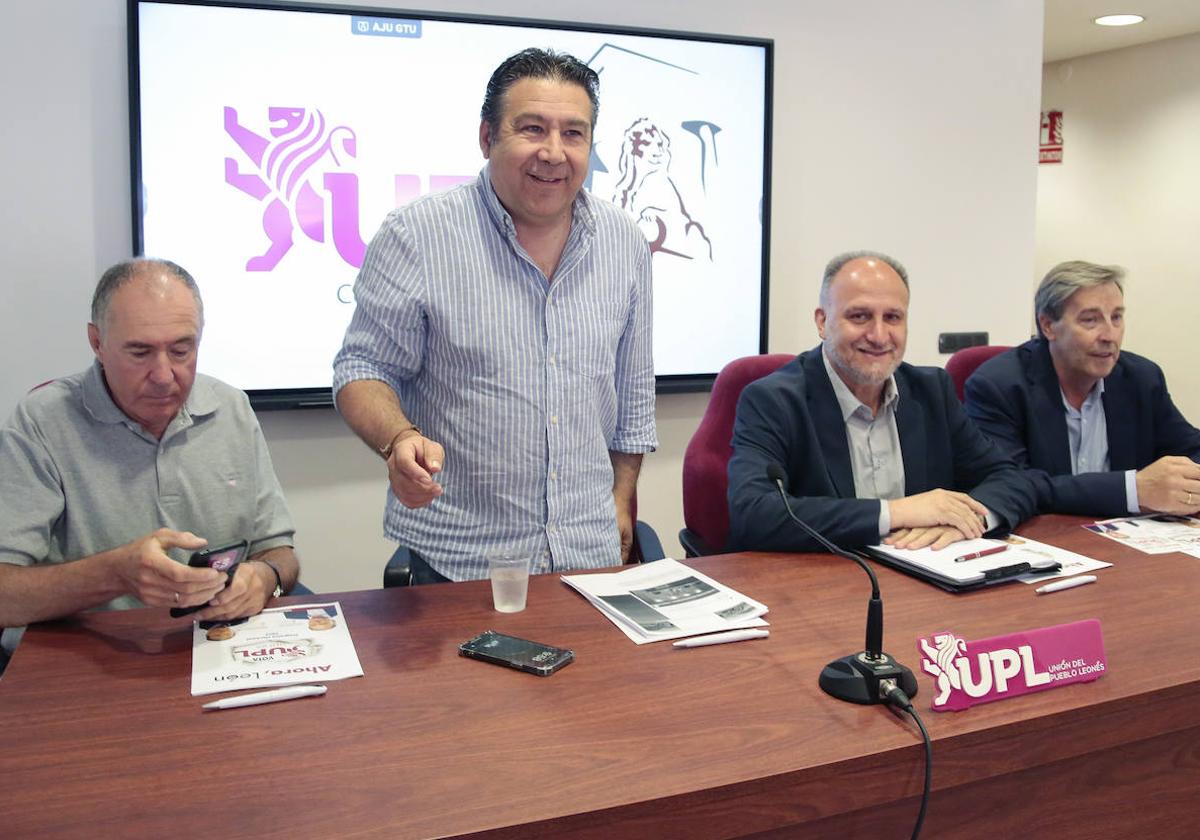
x: 269, y: 144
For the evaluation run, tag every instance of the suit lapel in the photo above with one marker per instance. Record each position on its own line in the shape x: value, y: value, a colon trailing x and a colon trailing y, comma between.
x: 910, y: 426
x: 1048, y: 412
x: 1120, y: 420
x: 828, y: 424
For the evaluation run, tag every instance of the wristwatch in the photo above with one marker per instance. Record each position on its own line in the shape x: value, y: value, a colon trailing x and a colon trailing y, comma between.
x: 278, y: 580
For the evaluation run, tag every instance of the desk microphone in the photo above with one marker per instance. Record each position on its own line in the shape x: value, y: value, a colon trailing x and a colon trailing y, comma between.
x: 856, y: 677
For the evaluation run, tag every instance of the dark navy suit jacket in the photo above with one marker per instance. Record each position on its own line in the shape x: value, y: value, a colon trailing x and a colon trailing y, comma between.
x: 1015, y: 398
x: 792, y: 418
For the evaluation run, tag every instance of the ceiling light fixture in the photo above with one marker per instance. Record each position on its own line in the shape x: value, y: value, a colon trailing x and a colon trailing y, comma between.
x: 1119, y: 20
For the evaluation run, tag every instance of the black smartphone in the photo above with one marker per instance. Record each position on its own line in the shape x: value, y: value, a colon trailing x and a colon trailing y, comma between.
x: 224, y: 559
x: 522, y: 654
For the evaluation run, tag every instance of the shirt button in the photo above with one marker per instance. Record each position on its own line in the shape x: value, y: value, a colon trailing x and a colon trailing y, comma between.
x: 554, y: 419
x: 552, y: 359
x: 553, y: 475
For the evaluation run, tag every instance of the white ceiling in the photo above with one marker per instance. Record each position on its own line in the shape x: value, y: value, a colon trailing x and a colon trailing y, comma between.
x: 1070, y: 32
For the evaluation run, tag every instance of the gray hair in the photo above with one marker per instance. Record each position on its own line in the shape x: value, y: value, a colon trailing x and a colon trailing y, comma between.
x: 1066, y: 278
x: 839, y: 262
x: 533, y: 63
x: 121, y: 273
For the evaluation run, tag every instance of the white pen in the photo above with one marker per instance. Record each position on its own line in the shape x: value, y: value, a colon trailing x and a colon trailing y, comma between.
x: 1069, y: 583
x: 722, y: 638
x: 272, y: 696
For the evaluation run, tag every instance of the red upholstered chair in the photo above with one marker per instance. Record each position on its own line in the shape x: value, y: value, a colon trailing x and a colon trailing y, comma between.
x: 962, y: 364
x: 705, y: 509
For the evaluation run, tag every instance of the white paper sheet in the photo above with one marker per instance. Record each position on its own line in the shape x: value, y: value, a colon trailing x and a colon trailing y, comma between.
x: 281, y: 646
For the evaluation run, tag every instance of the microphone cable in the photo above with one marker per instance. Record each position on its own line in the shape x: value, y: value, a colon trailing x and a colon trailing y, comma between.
x: 896, y: 698
x: 888, y: 687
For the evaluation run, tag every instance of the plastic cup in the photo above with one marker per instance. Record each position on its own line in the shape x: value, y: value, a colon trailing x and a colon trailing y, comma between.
x: 510, y: 582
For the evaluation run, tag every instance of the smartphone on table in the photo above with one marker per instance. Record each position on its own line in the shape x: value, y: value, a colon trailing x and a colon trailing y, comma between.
x: 522, y: 654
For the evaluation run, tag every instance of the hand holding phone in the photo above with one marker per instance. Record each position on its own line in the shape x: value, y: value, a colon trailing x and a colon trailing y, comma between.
x: 522, y: 654
x: 225, y: 559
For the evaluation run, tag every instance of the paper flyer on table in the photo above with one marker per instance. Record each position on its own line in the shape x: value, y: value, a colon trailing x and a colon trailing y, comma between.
x: 1158, y: 533
x: 282, y: 646
x: 667, y: 600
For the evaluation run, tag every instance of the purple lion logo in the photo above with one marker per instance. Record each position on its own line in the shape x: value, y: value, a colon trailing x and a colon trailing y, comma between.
x: 299, y: 139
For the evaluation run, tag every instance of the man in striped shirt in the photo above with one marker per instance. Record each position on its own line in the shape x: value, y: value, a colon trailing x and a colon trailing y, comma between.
x: 500, y: 354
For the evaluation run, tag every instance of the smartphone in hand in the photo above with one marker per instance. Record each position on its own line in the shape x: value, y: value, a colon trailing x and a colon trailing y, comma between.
x: 225, y: 559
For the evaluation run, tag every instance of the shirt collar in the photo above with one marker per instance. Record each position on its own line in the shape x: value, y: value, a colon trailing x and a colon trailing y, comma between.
x: 848, y: 403
x: 1089, y: 402
x: 581, y: 211
x: 96, y: 399
x: 98, y: 402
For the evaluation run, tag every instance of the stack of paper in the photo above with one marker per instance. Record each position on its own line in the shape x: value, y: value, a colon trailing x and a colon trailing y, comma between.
x: 667, y: 600
x: 282, y: 646
x: 1159, y: 533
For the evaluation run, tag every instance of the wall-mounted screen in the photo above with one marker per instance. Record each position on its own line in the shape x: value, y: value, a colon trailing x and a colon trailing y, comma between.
x: 270, y: 142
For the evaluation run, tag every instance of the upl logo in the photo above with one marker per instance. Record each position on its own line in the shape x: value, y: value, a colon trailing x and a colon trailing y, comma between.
x: 1006, y: 666
x: 296, y: 171
x: 282, y: 168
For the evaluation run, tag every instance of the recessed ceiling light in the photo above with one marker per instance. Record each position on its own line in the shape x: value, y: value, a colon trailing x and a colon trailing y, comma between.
x: 1119, y: 20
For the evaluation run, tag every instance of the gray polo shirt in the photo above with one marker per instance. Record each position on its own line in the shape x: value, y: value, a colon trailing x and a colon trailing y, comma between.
x: 78, y: 477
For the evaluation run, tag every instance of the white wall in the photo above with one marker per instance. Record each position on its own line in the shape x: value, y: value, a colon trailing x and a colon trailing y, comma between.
x: 1126, y: 192
x: 902, y: 127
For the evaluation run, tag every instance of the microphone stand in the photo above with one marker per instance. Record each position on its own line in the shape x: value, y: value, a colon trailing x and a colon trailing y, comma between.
x: 865, y: 677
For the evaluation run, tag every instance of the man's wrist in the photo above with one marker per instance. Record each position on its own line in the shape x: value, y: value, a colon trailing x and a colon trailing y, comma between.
x: 622, y: 496
x: 277, y: 589
x: 386, y: 449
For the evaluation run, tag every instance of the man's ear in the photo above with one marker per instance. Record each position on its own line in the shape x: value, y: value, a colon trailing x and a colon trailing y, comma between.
x: 485, y: 138
x: 1046, y: 327
x: 819, y: 320
x: 94, y: 338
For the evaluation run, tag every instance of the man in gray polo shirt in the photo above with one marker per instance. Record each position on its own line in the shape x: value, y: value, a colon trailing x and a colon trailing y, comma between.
x: 114, y: 476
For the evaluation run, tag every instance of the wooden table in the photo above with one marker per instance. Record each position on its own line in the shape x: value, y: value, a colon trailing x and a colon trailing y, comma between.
x: 99, y: 736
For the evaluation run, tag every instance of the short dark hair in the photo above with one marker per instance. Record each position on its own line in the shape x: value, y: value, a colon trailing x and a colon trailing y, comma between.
x: 534, y: 63
x: 124, y: 271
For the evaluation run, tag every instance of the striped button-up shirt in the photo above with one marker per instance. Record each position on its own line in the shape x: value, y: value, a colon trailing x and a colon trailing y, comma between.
x: 527, y: 383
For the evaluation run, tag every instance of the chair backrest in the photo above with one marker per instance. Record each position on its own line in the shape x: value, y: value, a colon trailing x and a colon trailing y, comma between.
x: 705, y: 510
x: 962, y: 364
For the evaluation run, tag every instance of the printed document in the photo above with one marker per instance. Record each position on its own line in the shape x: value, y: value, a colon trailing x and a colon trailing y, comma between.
x: 283, y: 646
x: 666, y: 600
x: 1158, y: 533
x: 984, y: 560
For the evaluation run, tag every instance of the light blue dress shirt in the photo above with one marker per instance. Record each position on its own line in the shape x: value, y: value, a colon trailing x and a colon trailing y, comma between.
x: 875, y: 457
x: 1087, y: 437
x: 527, y: 383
